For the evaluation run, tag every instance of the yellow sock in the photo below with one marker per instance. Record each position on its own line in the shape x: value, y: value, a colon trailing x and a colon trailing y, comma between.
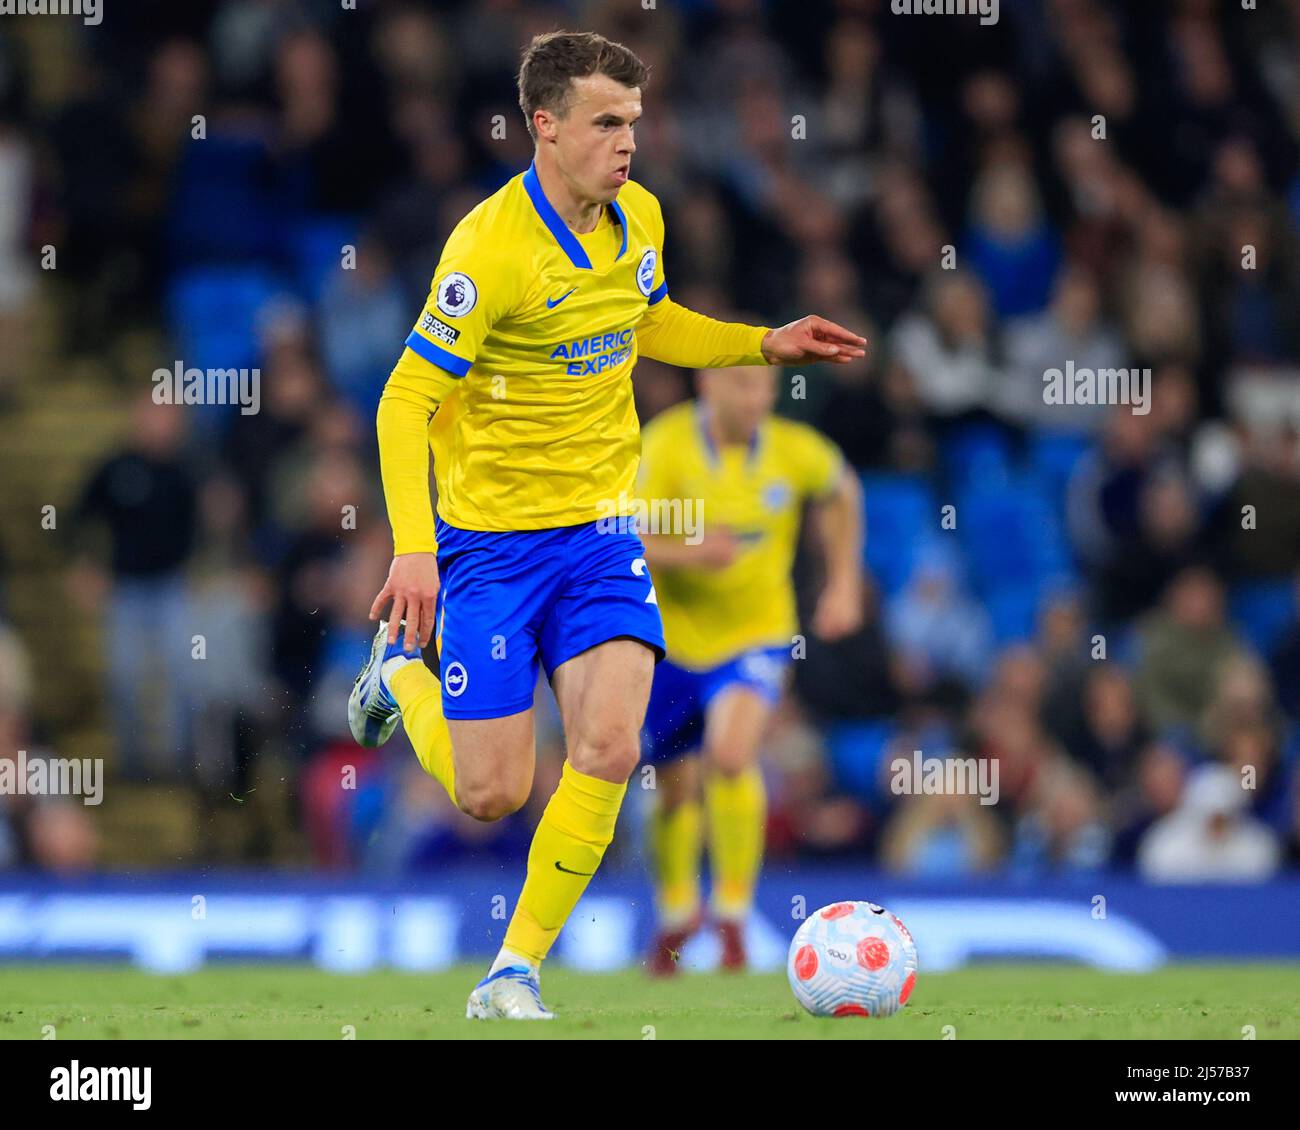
x: 569, y: 843
x: 419, y: 694
x: 737, y: 810
x: 676, y: 841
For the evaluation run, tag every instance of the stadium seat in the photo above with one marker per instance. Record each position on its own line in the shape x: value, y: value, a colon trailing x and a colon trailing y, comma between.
x: 977, y: 453
x: 1263, y: 610
x: 224, y: 209
x: 902, y: 511
x: 855, y: 750
x: 1013, y: 610
x: 1052, y: 458
x: 213, y: 314
x: 316, y: 250
x: 1010, y: 536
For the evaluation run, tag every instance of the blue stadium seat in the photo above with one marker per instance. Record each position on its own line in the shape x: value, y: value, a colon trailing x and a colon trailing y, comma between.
x: 1052, y: 458
x: 977, y: 453
x: 224, y: 207
x: 902, y: 511
x: 316, y: 251
x: 213, y: 315
x: 1013, y: 610
x: 1263, y: 610
x: 855, y: 750
x: 1010, y: 536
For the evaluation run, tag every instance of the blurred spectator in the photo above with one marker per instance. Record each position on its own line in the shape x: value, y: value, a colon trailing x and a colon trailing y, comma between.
x: 364, y: 316
x: 1209, y: 838
x: 938, y: 632
x: 17, y: 278
x: 1184, y: 648
x: 1131, y: 516
x: 1286, y: 662
x: 1155, y: 794
x: 1070, y: 329
x: 947, y: 349
x: 1009, y: 243
x: 1112, y: 734
x: 1062, y: 826
x: 146, y: 499
x: 941, y: 836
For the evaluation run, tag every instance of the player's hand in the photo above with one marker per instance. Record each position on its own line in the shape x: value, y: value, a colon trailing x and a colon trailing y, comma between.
x: 812, y: 339
x: 412, y: 586
x: 716, y: 550
x: 839, y: 611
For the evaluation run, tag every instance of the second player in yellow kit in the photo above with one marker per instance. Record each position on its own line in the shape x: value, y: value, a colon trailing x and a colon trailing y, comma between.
x: 742, y: 477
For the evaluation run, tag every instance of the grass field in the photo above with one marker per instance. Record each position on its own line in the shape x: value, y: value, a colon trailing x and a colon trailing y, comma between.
x: 297, y: 1002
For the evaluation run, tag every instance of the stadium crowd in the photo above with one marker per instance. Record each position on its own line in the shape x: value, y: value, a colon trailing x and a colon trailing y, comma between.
x: 1103, y: 599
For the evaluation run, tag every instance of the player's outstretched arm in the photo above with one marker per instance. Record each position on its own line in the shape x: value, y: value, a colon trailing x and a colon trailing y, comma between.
x: 839, y: 608
x: 677, y: 336
x: 812, y: 339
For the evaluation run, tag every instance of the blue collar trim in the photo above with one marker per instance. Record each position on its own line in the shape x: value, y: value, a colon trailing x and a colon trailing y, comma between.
x: 559, y: 229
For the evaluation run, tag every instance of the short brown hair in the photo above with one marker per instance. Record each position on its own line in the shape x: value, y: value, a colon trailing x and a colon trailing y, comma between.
x: 552, y: 60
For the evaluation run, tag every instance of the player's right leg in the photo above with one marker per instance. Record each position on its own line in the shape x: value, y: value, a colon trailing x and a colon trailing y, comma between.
x: 485, y: 764
x: 473, y: 729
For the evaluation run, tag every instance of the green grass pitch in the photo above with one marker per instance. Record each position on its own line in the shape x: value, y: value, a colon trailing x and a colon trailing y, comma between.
x: 981, y: 1002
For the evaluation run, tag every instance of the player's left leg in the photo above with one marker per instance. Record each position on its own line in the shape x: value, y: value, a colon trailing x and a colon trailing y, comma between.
x: 602, y: 696
x: 598, y: 646
x: 735, y: 808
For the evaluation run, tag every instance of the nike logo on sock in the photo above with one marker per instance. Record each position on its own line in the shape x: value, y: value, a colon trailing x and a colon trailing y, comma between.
x: 560, y: 867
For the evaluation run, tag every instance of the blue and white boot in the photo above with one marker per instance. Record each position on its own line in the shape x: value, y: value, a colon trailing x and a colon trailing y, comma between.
x: 512, y: 993
x: 373, y: 713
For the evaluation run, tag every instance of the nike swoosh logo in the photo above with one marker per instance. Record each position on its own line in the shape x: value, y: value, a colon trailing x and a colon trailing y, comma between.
x: 551, y: 304
x: 560, y: 867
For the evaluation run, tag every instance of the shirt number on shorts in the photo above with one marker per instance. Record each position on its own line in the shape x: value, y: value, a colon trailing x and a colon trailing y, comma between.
x: 638, y: 570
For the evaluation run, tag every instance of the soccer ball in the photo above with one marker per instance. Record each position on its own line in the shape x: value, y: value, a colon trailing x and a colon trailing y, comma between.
x: 852, y: 959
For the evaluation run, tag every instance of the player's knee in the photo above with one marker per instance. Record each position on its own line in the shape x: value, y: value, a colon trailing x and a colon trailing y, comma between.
x: 611, y: 755
x: 491, y: 800
x: 730, y: 759
x: 676, y: 785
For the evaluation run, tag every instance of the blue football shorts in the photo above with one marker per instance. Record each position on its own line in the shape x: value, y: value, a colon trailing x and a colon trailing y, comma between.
x: 510, y: 601
x: 679, y: 699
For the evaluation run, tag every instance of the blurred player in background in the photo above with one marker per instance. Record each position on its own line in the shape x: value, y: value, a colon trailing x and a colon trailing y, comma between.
x: 518, y: 377
x: 742, y: 476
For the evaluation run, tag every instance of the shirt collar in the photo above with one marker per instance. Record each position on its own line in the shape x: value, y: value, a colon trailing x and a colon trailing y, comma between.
x: 568, y: 242
x: 706, y: 436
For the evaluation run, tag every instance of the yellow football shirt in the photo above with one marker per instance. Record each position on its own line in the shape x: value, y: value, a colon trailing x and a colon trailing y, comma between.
x: 756, y: 491
x: 526, y: 348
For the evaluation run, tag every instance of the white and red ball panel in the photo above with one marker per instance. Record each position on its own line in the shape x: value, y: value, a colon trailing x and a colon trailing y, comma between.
x: 852, y: 959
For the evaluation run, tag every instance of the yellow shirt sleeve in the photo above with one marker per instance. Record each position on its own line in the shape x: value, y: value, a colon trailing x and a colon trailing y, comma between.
x: 473, y: 287
x: 677, y: 336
